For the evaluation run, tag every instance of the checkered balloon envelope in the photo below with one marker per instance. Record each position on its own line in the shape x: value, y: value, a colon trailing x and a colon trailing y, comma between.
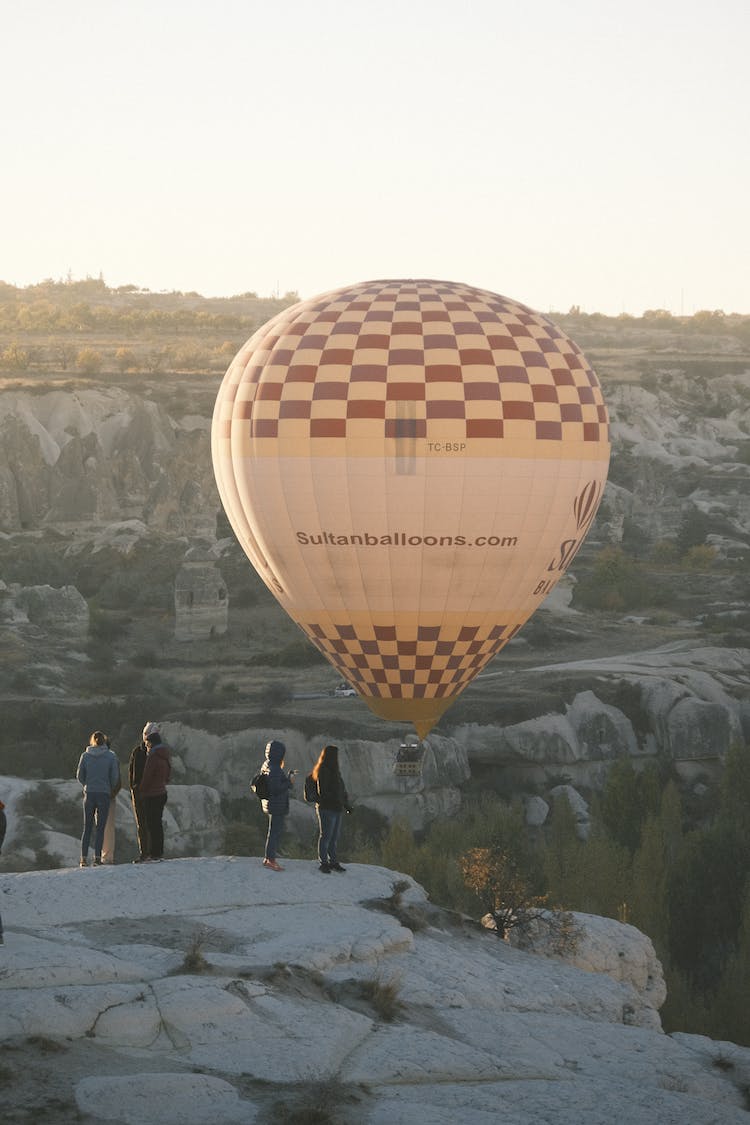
x: 411, y: 466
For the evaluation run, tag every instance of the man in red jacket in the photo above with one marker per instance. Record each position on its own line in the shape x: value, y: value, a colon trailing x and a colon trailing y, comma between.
x: 153, y: 792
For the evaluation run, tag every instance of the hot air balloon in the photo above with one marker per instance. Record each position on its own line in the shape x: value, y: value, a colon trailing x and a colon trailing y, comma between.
x: 410, y: 466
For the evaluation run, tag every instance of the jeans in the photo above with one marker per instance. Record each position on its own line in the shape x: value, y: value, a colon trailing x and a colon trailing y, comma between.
x: 330, y: 826
x: 95, y: 811
x: 275, y: 828
x: 153, y: 808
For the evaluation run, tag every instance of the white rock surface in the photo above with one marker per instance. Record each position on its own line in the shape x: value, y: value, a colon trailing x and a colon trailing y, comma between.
x: 214, y: 990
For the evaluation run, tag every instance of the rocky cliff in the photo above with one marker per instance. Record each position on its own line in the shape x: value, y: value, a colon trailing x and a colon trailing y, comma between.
x: 213, y: 989
x: 86, y: 457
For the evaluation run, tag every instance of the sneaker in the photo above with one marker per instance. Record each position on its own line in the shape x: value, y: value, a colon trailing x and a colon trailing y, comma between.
x: 83, y: 862
x: 273, y: 864
x: 337, y: 867
x: 97, y: 861
x: 325, y: 868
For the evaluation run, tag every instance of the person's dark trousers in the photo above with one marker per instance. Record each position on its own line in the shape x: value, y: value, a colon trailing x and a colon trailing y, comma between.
x: 330, y: 827
x: 153, y: 807
x: 140, y: 824
x: 275, y: 828
x: 95, y: 812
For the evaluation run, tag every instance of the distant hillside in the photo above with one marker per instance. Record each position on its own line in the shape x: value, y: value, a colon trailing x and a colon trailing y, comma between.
x: 106, y: 487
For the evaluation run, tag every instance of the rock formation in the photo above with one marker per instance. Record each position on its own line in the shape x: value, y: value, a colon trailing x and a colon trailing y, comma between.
x: 690, y: 706
x: 195, y: 990
x: 74, y: 458
x: 201, y: 602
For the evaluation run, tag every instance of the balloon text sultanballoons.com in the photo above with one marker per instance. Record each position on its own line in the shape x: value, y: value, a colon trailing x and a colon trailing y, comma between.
x: 410, y: 466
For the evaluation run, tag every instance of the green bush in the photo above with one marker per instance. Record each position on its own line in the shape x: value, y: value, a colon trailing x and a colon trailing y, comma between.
x: 616, y: 583
x: 244, y: 839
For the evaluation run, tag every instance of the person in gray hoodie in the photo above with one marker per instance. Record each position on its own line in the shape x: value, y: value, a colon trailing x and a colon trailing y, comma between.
x: 99, y: 774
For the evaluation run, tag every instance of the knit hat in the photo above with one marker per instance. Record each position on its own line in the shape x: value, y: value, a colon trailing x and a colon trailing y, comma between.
x: 150, y: 728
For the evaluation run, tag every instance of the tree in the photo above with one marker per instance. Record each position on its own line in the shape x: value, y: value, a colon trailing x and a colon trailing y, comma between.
x: 649, y: 902
x: 701, y: 557
x: 562, y: 857
x: 620, y: 805
x: 15, y: 358
x: 708, y: 320
x: 693, y: 529
x: 729, y: 1017
x: 494, y: 877
x: 604, y: 877
x: 125, y: 360
x: 615, y: 583
x: 398, y: 849
x: 89, y: 361
x: 658, y: 318
x: 705, y: 893
x: 65, y: 354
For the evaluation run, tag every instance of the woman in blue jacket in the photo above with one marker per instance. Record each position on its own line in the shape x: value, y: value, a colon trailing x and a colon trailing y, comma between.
x: 99, y: 774
x: 276, y: 805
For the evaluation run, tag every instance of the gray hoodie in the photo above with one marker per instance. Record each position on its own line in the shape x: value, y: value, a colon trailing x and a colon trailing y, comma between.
x: 98, y: 770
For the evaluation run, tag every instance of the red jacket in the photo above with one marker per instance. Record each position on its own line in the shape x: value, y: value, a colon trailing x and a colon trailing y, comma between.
x: 156, y: 772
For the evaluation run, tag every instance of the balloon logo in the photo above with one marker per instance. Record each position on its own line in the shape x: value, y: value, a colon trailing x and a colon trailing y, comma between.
x: 410, y: 466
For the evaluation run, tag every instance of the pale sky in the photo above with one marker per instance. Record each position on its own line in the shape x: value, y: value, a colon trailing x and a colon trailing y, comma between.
x: 570, y: 152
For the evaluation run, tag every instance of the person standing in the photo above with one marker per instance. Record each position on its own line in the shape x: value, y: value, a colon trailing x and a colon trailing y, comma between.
x: 153, y: 792
x: 99, y: 774
x: 331, y: 805
x: 135, y: 773
x: 276, y: 805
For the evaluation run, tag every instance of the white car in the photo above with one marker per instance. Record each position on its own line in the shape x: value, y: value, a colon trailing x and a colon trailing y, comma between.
x: 343, y: 689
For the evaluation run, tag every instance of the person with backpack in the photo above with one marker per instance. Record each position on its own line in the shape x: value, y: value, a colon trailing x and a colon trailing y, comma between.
x: 331, y: 804
x: 99, y: 774
x: 276, y: 804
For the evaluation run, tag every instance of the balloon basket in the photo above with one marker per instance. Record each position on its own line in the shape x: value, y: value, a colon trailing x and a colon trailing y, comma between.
x: 409, y: 760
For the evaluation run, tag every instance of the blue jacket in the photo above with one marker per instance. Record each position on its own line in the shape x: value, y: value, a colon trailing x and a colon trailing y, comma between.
x: 279, y: 783
x: 98, y: 770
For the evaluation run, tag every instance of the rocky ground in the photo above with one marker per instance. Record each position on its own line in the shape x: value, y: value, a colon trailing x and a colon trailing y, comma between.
x: 213, y: 989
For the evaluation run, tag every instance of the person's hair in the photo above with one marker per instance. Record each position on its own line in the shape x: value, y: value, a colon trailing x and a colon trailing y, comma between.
x: 328, y: 760
x: 98, y: 738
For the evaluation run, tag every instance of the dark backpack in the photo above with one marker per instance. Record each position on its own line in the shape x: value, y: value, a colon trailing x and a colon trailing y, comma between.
x: 311, y: 794
x: 259, y: 786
